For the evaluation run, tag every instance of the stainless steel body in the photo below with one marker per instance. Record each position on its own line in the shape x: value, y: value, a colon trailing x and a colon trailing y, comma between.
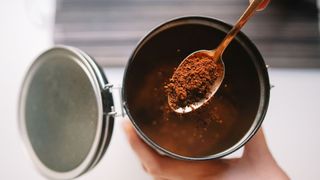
x: 166, y: 46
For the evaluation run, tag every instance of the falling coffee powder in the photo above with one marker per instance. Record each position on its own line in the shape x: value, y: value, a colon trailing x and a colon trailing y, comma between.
x: 192, y: 81
x: 214, y: 127
x: 211, y: 129
x: 195, y: 134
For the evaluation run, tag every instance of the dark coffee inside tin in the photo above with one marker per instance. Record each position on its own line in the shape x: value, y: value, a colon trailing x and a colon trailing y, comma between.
x: 237, y: 108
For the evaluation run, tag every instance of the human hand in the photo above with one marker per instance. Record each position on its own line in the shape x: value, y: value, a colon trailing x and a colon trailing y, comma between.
x: 255, y: 163
x: 263, y: 4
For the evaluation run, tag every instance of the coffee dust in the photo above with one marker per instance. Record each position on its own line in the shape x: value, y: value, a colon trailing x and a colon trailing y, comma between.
x: 195, y: 134
x: 192, y: 81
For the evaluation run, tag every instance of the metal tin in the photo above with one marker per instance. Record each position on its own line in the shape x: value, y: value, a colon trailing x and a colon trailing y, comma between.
x: 185, y: 34
x: 55, y: 122
x: 65, y: 84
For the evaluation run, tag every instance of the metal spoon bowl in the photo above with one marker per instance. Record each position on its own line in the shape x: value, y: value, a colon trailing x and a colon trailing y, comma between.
x: 214, y: 87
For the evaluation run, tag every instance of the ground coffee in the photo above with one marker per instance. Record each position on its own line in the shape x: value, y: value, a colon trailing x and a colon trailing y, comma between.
x: 192, y: 81
x: 195, y: 134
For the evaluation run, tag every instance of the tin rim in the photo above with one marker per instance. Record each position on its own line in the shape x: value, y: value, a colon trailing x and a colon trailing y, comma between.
x: 97, y: 81
x: 259, y: 64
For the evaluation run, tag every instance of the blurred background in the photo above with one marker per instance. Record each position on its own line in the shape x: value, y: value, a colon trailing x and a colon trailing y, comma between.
x: 286, y: 33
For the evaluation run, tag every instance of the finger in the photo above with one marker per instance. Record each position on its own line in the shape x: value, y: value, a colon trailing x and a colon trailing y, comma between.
x: 165, y: 167
x: 263, y: 4
x: 257, y: 146
x: 159, y: 178
x: 148, y: 157
x: 256, y: 152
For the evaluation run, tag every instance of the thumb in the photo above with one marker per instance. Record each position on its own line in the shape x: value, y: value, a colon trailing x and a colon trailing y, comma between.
x: 257, y: 147
x: 257, y: 153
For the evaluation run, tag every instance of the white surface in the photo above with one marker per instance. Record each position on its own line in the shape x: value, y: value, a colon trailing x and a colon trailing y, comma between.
x: 293, y: 121
x: 22, y: 38
x: 291, y: 126
x: 20, y: 42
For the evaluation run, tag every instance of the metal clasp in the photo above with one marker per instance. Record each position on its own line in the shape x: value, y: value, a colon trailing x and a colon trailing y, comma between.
x: 117, y: 109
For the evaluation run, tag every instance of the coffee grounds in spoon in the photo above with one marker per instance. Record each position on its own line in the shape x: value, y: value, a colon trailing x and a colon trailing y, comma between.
x: 192, y: 81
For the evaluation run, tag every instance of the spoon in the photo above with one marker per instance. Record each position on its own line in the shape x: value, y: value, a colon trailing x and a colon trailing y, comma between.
x: 215, y: 56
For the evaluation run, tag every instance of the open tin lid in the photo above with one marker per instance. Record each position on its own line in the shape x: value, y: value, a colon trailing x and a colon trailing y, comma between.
x: 65, y: 113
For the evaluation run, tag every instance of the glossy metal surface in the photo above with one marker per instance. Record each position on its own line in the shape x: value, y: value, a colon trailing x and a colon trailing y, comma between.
x: 63, y: 114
